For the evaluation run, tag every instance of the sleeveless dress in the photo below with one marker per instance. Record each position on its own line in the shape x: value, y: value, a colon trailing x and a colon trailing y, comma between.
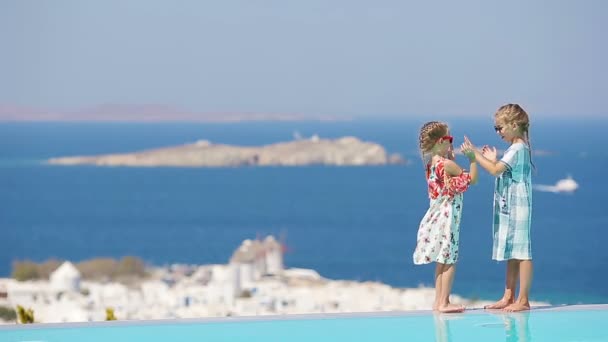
x: 438, y: 233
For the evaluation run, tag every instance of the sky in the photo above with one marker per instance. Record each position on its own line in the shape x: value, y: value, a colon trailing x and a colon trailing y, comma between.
x: 313, y: 57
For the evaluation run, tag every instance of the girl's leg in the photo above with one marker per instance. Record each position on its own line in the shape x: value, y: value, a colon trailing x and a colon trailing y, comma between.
x: 512, y: 276
x: 525, y: 281
x: 447, y: 279
x: 511, y: 282
x: 438, y: 272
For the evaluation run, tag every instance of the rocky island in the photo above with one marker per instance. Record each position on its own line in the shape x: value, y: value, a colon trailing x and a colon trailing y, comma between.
x: 345, y: 151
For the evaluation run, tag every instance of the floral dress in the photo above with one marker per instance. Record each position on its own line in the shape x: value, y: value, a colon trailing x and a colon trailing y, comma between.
x: 438, y: 234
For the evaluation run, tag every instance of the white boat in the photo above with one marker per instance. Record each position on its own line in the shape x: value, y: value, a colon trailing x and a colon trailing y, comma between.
x: 566, y: 185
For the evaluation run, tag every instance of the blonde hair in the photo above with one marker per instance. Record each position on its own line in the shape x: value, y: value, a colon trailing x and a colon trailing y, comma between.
x: 430, y: 132
x: 512, y: 113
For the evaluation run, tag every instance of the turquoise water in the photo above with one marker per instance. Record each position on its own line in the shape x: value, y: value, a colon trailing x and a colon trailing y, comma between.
x: 569, y: 324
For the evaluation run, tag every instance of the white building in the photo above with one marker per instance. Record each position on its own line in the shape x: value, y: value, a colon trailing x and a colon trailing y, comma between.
x: 65, y: 278
x: 259, y: 259
x: 255, y: 259
x: 243, y: 260
x: 4, y: 292
x: 273, y: 251
x: 225, y: 284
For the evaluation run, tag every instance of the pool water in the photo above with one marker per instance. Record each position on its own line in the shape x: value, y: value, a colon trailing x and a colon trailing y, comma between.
x: 568, y: 323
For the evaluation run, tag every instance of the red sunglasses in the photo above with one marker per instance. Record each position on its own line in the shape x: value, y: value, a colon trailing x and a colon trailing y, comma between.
x: 446, y: 137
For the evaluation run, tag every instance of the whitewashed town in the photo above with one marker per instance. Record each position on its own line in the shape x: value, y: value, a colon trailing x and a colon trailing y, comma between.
x: 254, y: 282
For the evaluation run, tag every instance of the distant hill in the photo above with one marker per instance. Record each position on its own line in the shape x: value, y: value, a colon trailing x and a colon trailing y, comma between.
x: 144, y: 113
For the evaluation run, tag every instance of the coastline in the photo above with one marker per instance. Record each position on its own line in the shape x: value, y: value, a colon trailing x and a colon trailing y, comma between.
x: 253, y: 283
x: 191, y: 291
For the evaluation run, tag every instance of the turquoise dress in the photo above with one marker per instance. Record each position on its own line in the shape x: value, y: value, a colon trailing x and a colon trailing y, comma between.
x: 513, y: 206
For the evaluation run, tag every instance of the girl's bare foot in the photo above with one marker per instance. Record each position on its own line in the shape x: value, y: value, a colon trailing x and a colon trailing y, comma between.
x: 451, y: 308
x: 436, y: 306
x: 517, y: 306
x: 501, y: 304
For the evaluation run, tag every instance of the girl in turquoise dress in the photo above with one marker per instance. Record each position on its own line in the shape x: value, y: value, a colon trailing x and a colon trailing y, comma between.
x: 512, y: 203
x: 438, y: 233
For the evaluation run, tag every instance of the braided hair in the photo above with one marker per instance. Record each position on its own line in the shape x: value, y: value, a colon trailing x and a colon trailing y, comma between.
x: 430, y: 132
x: 514, y: 113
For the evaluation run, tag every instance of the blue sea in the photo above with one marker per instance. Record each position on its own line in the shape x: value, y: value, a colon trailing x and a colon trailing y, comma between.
x: 356, y: 223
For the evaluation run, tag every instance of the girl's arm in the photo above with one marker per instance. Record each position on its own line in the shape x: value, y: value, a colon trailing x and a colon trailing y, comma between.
x: 472, y: 167
x: 472, y: 164
x: 495, y: 168
x: 451, y: 168
x: 456, y: 179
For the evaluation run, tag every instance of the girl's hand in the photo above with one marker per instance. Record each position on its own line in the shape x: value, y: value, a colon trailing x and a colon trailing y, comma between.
x: 489, y: 153
x: 468, y: 144
x: 468, y: 152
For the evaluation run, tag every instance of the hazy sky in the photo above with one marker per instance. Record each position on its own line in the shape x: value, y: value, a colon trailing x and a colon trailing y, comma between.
x: 337, y: 57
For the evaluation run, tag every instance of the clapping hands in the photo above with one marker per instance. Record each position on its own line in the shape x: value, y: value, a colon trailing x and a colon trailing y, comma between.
x: 468, y: 149
x: 489, y: 153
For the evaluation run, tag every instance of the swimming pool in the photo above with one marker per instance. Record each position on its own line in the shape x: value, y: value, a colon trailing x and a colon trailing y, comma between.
x: 566, y: 323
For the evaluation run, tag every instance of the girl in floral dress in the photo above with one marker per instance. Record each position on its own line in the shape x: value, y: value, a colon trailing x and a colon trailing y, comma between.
x: 438, y: 233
